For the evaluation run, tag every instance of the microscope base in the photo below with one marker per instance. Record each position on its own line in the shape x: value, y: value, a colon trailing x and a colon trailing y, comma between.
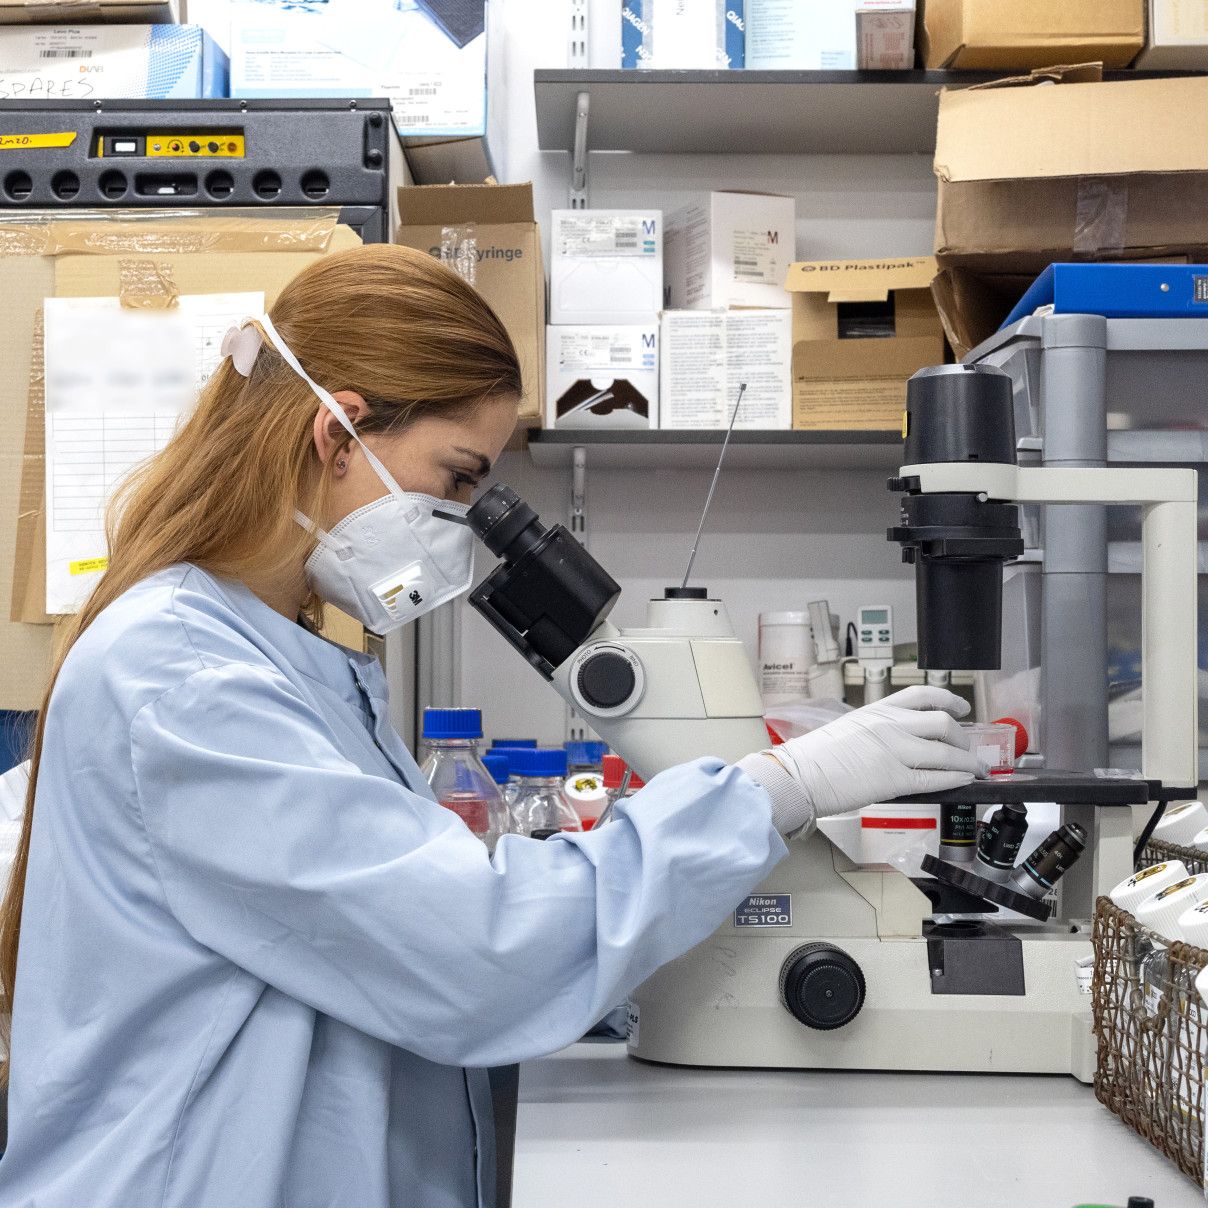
x: 720, y: 1006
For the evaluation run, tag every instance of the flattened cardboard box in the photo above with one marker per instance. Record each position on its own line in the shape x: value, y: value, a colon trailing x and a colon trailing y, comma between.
x: 508, y: 272
x: 846, y: 382
x: 46, y: 256
x: 1081, y: 171
x: 1021, y: 34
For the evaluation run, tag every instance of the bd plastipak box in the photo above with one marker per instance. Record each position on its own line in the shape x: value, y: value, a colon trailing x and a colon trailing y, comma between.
x: 429, y: 57
x: 731, y: 249
x: 602, y: 377
x: 672, y: 35
x: 705, y: 356
x: 79, y: 62
x: 606, y: 266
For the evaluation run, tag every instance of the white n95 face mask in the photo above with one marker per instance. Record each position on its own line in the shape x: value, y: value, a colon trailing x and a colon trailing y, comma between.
x: 394, y: 559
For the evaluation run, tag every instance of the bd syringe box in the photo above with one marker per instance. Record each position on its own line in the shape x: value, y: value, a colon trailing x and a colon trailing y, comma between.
x: 602, y: 377
x: 731, y: 250
x: 671, y: 35
x: 606, y: 266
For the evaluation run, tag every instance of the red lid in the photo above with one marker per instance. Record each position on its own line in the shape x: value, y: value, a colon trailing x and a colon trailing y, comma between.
x: 614, y: 772
x: 1021, y: 733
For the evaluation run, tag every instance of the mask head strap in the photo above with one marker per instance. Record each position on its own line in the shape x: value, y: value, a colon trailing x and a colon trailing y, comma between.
x: 330, y: 403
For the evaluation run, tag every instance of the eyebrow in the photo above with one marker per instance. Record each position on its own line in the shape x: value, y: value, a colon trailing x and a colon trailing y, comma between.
x: 484, y: 463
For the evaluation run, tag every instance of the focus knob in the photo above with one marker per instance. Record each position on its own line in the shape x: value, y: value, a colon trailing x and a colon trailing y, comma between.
x: 606, y: 680
x: 821, y: 986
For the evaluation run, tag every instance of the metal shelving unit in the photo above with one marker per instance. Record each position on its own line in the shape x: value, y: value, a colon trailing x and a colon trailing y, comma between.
x: 685, y: 450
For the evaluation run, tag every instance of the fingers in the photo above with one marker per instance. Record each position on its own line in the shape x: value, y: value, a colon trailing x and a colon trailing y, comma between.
x: 935, y: 724
x: 938, y: 782
x: 931, y: 755
x: 922, y: 696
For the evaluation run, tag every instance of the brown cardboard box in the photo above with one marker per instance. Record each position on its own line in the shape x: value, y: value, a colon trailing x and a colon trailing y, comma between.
x: 844, y: 382
x: 45, y: 255
x: 509, y: 274
x: 1022, y: 34
x: 89, y: 12
x: 1084, y: 170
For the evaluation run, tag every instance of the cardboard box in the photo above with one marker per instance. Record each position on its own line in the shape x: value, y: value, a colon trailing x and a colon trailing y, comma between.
x: 606, y: 266
x: 860, y: 329
x: 48, y: 255
x: 731, y: 250
x: 89, y: 12
x: 669, y: 35
x: 436, y: 82
x: 509, y: 272
x: 834, y: 35
x: 1029, y: 175
x: 704, y: 358
x: 80, y: 62
x: 1023, y: 34
x: 1176, y: 36
x: 603, y: 377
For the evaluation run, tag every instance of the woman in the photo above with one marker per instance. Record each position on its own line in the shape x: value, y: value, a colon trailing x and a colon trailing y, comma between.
x: 259, y: 966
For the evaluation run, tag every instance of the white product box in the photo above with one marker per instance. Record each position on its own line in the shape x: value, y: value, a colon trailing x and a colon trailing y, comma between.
x: 671, y: 35
x: 79, y: 62
x: 1176, y: 36
x: 606, y: 266
x: 823, y: 35
x: 731, y: 249
x: 706, y: 355
x: 602, y: 377
x: 407, y: 52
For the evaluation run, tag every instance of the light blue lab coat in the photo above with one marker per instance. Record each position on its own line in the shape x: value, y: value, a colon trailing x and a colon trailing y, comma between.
x: 261, y: 968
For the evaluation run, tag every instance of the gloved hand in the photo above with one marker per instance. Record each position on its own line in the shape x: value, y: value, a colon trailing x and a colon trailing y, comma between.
x: 905, y: 744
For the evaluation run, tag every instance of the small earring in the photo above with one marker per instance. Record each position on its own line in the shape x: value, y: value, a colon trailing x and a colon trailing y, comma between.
x: 341, y: 464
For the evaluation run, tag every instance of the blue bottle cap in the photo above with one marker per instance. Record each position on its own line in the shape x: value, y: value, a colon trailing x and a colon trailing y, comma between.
x: 528, y: 762
x: 498, y: 764
x: 531, y: 743
x: 452, y: 723
x: 586, y: 754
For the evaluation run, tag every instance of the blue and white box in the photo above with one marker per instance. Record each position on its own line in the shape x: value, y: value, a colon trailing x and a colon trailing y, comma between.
x: 83, y: 62
x: 433, y: 71
x: 674, y: 35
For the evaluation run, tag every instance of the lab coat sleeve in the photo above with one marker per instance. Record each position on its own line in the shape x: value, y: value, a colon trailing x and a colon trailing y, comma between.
x: 378, y: 907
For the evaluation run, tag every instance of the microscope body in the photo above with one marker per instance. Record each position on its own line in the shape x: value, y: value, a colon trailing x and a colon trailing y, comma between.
x: 831, y: 963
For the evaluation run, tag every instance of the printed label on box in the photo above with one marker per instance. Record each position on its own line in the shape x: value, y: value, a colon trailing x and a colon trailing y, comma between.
x: 607, y: 235
x: 633, y: 1021
x: 757, y: 257
x: 610, y: 349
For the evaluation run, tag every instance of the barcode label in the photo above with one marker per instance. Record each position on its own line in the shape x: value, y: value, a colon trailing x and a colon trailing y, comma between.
x: 64, y: 54
x: 619, y: 358
x: 421, y: 91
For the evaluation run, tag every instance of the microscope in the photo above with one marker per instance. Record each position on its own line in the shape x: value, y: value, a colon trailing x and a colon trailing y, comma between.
x: 832, y: 963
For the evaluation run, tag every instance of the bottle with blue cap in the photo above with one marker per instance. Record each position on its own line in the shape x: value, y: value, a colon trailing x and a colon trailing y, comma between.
x: 542, y: 804
x: 457, y: 776
x: 499, y: 764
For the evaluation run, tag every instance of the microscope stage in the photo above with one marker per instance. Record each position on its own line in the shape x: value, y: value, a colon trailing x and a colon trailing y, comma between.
x: 1065, y: 788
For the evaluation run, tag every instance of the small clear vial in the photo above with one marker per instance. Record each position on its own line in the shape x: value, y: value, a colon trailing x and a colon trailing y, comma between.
x: 456, y: 775
x: 541, y: 804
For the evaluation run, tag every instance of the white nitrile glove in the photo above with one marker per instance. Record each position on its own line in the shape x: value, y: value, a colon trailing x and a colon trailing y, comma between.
x: 907, y: 743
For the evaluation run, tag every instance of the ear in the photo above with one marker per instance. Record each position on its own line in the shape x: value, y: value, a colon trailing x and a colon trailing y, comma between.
x: 329, y: 433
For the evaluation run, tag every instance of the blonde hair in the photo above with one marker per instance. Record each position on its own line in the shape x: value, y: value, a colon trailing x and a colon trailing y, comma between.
x: 390, y: 323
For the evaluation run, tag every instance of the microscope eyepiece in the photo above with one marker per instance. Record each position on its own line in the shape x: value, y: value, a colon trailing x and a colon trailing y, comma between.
x: 504, y: 523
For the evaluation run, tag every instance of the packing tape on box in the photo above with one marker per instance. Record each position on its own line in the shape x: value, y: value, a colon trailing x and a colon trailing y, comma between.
x: 1101, y: 216
x: 166, y: 232
x: 1130, y: 893
x: 1162, y: 911
x: 146, y: 284
x: 55, y: 12
x: 459, y: 250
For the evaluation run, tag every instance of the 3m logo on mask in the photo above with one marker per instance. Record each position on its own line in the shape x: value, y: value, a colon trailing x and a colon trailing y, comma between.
x: 403, y: 593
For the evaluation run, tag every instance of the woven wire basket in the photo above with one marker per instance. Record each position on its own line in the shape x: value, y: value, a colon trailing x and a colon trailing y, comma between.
x: 1157, y: 850
x: 1151, y: 1027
